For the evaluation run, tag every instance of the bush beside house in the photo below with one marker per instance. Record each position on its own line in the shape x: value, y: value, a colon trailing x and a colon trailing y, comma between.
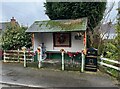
x: 13, y: 36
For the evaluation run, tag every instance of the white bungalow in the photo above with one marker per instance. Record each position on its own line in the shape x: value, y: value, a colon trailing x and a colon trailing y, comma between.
x: 69, y: 35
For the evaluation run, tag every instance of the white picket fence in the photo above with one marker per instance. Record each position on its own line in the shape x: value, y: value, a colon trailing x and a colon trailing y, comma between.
x: 110, y: 65
x: 17, y: 56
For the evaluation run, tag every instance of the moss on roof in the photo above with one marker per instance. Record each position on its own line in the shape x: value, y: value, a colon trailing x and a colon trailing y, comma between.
x: 58, y: 25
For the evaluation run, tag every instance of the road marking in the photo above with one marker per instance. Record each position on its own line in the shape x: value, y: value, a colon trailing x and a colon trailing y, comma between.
x: 20, y: 84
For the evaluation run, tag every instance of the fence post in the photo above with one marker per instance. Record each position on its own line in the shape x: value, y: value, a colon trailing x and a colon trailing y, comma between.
x: 24, y: 59
x: 4, y: 56
x: 39, y: 52
x: 39, y: 63
x: 101, y: 61
x: 62, y: 60
x: 18, y: 55
x: 62, y: 53
x: 82, y: 64
x: 24, y: 49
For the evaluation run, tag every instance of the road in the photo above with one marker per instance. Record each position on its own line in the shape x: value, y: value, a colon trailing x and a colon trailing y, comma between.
x: 14, y: 74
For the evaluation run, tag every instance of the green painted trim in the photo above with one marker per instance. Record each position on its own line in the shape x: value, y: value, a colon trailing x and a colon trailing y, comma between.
x: 59, y: 57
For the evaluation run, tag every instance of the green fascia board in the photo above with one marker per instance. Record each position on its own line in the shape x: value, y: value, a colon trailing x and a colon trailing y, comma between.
x: 59, y: 25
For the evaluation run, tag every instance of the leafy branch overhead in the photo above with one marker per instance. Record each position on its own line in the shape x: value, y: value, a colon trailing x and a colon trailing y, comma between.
x: 73, y: 10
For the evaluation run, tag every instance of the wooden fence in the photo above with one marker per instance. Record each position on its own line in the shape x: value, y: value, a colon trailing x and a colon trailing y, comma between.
x: 111, y: 63
x: 109, y: 66
x: 29, y: 56
x: 17, y: 56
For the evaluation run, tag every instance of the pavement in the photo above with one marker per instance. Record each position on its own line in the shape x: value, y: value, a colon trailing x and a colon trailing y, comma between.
x: 15, y: 75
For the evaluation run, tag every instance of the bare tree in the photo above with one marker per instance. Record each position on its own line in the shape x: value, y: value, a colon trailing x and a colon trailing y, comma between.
x: 98, y: 34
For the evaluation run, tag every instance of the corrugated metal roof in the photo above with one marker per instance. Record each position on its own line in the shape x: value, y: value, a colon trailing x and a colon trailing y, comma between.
x: 58, y: 25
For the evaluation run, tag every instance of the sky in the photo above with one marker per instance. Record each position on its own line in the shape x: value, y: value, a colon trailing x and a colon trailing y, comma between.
x: 24, y: 12
x: 28, y: 11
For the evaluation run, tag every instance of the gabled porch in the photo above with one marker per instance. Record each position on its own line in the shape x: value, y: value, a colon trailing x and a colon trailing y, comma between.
x: 69, y: 35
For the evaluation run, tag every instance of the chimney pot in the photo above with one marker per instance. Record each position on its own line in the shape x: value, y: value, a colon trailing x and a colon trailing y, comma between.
x: 13, y: 19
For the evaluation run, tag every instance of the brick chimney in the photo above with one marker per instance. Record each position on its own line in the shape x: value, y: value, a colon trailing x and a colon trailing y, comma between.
x: 13, y: 19
x: 13, y: 22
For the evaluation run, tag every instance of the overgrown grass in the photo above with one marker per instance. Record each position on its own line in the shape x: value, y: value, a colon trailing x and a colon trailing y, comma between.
x: 58, y: 66
x: 110, y: 71
x: 113, y: 72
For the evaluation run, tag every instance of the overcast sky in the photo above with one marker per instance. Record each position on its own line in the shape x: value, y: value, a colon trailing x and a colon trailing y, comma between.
x: 28, y: 11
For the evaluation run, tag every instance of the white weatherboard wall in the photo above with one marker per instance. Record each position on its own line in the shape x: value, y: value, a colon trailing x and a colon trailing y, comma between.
x: 47, y: 39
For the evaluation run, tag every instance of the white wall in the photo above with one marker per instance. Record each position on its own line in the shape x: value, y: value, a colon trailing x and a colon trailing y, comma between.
x: 47, y: 39
x: 37, y: 40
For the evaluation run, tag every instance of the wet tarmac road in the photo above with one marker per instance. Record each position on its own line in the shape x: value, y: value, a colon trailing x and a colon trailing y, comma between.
x: 15, y: 74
